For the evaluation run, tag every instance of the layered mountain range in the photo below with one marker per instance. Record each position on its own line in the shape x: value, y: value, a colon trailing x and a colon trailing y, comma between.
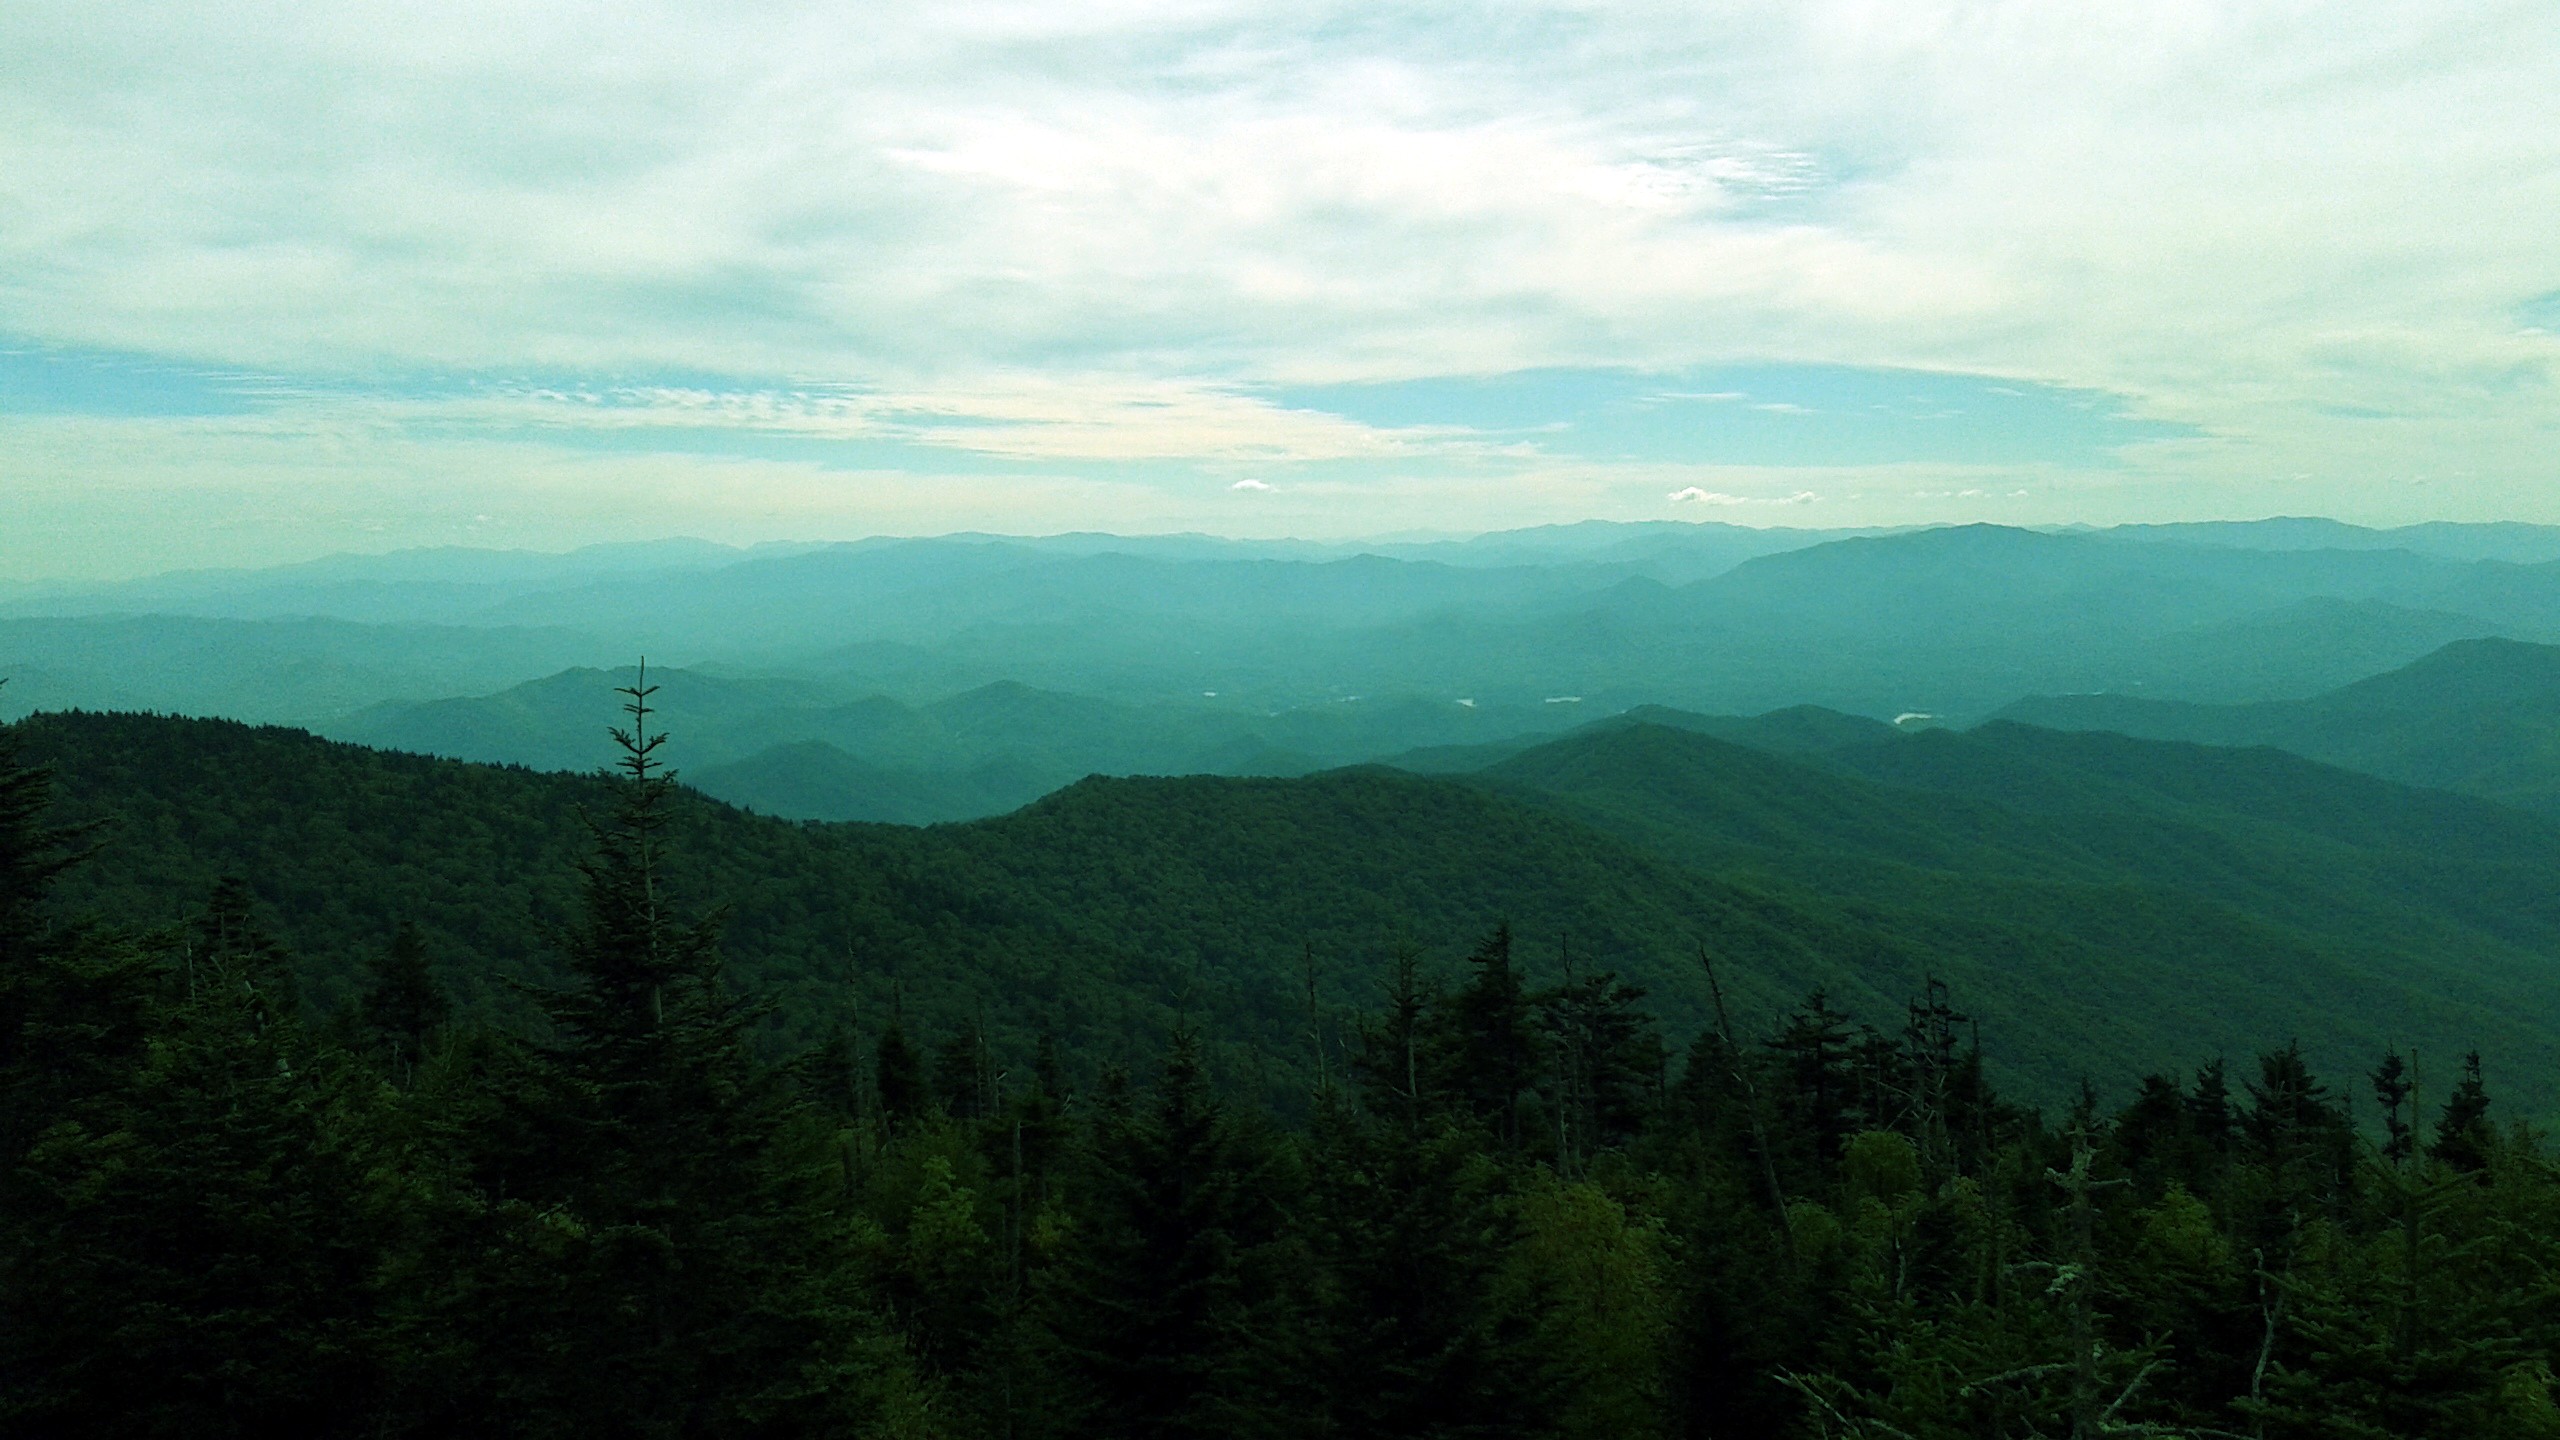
x: 939, y: 679
x: 2141, y: 796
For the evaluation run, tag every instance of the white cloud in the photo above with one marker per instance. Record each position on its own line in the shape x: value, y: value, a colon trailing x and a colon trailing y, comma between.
x: 1696, y: 495
x: 1250, y: 485
x: 1082, y: 233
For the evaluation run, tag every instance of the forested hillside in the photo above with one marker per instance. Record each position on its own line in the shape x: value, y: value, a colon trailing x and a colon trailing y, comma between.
x: 2480, y: 716
x: 267, y: 1172
x: 2107, y: 907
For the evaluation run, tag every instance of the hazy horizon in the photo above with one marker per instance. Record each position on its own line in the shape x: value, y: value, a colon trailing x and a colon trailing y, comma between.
x: 1327, y: 547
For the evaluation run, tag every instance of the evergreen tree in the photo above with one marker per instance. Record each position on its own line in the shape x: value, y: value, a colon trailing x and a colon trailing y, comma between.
x: 1410, y: 1226
x: 180, y: 1252
x: 1608, y: 1063
x: 1394, y: 1065
x: 403, y: 1006
x: 192, y: 1255
x: 667, y: 1262
x: 34, y: 852
x: 898, y: 1077
x: 1174, y: 1315
x: 2463, y: 1138
x: 2392, y: 1087
x: 960, y: 1078
x: 833, y: 1072
x: 1816, y: 1089
x: 2151, y: 1138
x: 75, y: 1002
x: 2295, y: 1130
x: 2210, y: 1118
x: 1491, y: 1046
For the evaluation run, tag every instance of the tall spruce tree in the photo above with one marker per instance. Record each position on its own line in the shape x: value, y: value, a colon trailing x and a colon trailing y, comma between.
x: 899, y: 1080
x: 1608, y: 1063
x: 1174, y: 1314
x: 670, y: 1261
x: 1492, y: 1043
x: 403, y: 1006
x: 2464, y: 1138
x: 74, y: 1003
x: 1410, y: 1226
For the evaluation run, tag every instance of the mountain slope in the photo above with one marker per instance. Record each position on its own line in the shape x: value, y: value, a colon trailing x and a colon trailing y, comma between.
x: 2479, y: 716
x: 817, y: 750
x: 2251, y: 886
x: 302, y: 671
x: 1105, y: 912
x: 1108, y: 910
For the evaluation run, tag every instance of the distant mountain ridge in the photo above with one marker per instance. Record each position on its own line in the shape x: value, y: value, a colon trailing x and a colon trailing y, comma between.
x: 846, y: 663
x: 2105, y: 905
x: 811, y: 750
x: 2479, y: 716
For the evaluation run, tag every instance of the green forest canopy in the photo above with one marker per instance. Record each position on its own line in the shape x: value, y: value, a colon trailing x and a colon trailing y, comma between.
x: 1509, y: 1209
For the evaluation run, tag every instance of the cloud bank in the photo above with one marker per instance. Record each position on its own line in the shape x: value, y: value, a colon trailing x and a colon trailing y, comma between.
x: 778, y: 268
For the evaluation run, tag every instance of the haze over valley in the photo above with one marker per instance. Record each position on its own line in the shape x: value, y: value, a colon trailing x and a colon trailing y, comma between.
x: 1511, y: 721
x: 921, y: 680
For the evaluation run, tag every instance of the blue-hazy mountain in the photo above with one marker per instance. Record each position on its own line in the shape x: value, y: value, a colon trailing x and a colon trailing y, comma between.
x: 1177, y: 653
x: 820, y: 751
x: 2500, y: 540
x: 303, y: 672
x: 2481, y: 716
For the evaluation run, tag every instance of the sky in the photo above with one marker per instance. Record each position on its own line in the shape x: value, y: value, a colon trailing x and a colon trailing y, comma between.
x: 280, y: 280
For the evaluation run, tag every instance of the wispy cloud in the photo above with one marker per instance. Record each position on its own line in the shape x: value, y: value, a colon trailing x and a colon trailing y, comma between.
x: 1693, y: 495
x: 1025, y: 234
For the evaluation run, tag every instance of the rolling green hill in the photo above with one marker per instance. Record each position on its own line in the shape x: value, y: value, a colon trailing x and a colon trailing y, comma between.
x: 2104, y: 906
x: 2198, y: 887
x: 2480, y: 716
x: 1104, y: 912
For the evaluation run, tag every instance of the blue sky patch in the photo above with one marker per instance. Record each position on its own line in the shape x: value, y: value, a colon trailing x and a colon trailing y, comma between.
x: 45, y: 380
x: 1757, y: 415
x: 1766, y: 415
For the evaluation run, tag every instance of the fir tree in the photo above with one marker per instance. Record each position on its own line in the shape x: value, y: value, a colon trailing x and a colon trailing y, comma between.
x: 74, y: 1002
x: 196, y: 1258
x: 34, y: 852
x: 1491, y: 1046
x: 672, y: 1266
x: 2463, y: 1138
x: 1609, y: 1062
x: 898, y: 1078
x: 2392, y: 1087
x: 1410, y: 1226
x: 1817, y: 1089
x: 403, y: 1006
x: 1393, y: 1064
x: 2209, y: 1112
x: 1173, y: 1314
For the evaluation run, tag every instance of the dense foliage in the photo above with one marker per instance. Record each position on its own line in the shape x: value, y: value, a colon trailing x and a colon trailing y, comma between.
x: 2476, y: 716
x: 1507, y: 1209
x: 2110, y: 907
